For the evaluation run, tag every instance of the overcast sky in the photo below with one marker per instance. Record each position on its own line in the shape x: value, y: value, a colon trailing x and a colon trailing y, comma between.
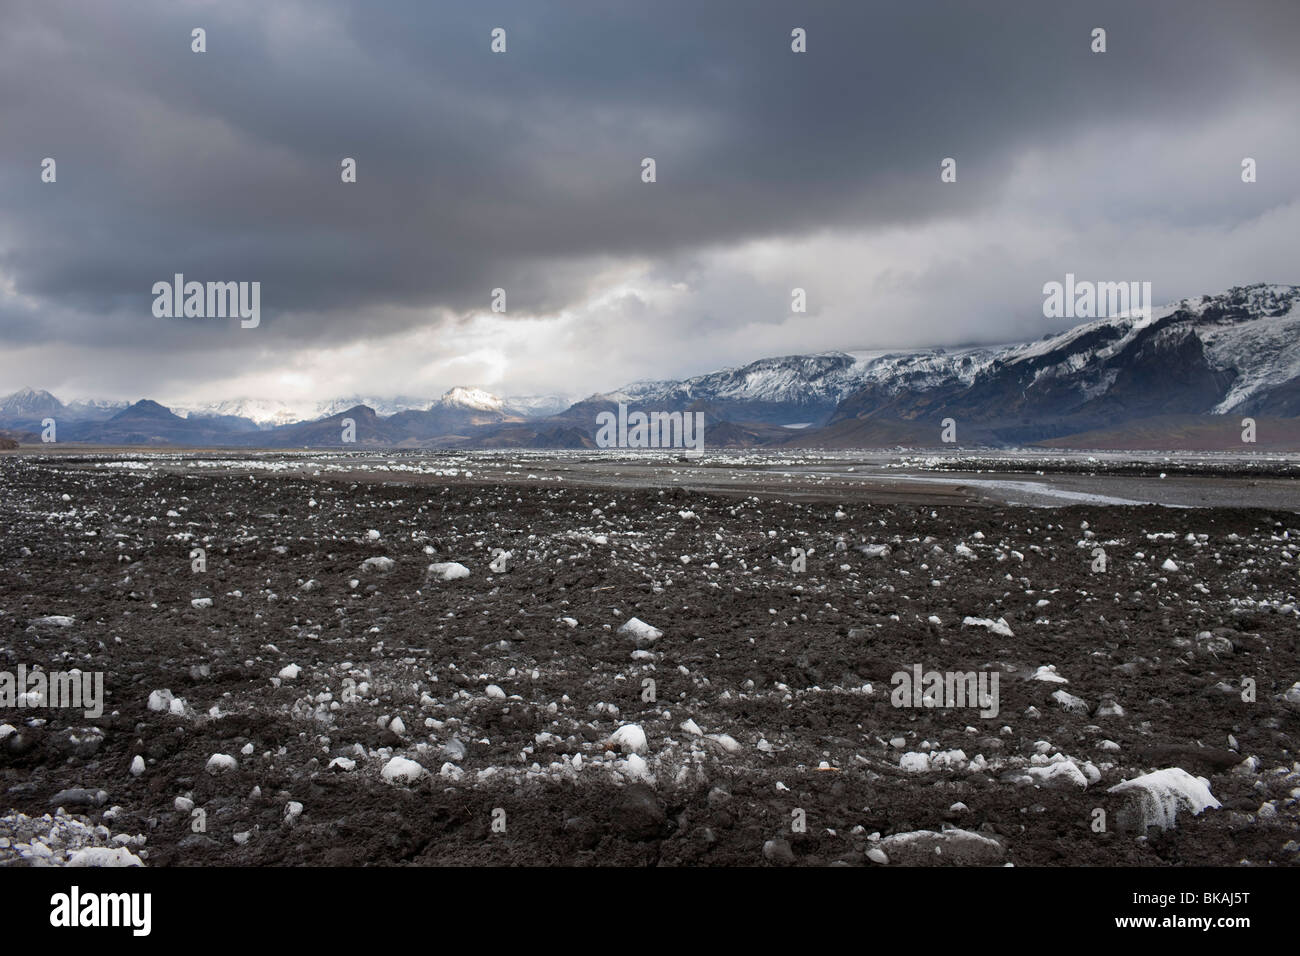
x: 522, y: 170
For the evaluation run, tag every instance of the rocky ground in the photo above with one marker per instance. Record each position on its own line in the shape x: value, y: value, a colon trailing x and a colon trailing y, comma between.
x: 311, y: 692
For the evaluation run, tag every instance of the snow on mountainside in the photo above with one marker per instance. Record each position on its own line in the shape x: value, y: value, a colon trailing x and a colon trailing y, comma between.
x: 801, y: 380
x: 893, y: 371
x: 471, y: 398
x: 790, y: 379
x: 29, y: 402
x: 382, y: 406
x: 1209, y: 354
x: 1233, y: 352
x: 1251, y: 333
x: 96, y: 406
x: 262, y: 412
x: 1265, y: 352
x: 269, y: 413
x: 539, y: 406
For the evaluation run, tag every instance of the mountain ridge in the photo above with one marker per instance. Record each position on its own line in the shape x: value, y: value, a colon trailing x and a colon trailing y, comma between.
x: 1230, y: 353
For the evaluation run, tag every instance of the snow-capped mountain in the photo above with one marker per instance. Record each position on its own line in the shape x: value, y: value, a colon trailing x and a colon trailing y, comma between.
x: 29, y: 403
x: 539, y: 406
x: 94, y: 408
x: 784, y: 390
x: 382, y: 406
x: 1235, y: 353
x: 1248, y: 335
x: 270, y: 413
x: 802, y: 389
x: 262, y: 412
x: 471, y: 398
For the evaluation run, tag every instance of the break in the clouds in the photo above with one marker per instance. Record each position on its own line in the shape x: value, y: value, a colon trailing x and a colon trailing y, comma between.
x: 522, y: 171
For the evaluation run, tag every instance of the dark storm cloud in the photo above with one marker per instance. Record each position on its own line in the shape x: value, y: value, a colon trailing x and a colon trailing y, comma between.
x: 522, y: 170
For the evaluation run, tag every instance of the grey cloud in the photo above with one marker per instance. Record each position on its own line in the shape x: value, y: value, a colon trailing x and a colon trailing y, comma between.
x: 522, y: 170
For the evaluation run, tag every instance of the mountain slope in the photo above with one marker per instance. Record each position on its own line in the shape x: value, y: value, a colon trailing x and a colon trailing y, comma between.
x: 28, y: 406
x: 1191, y: 367
x: 1235, y: 353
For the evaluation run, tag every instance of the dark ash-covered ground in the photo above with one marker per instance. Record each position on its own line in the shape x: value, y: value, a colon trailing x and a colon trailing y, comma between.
x: 770, y: 665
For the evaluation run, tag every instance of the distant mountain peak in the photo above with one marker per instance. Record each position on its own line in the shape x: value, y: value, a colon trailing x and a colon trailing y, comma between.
x: 464, y: 396
x: 145, y: 406
x: 29, y: 401
x: 1232, y: 352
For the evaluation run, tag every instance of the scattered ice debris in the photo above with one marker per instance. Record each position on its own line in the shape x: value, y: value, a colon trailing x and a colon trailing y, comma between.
x: 1160, y: 795
x: 914, y: 762
x: 221, y: 763
x: 137, y: 765
x: 635, y: 768
x: 1067, y: 701
x: 1108, y: 708
x: 1217, y: 644
x: 54, y: 620
x: 201, y: 602
x: 1048, y: 673
x: 454, y: 749
x: 999, y: 627
x: 163, y: 701
x: 380, y: 564
x: 448, y: 571
x: 402, y: 770
x: 1060, y: 774
x: 630, y: 738
x: 290, y: 672
x: 1169, y: 565
x: 641, y: 632
x: 56, y: 839
x: 727, y: 742
x: 102, y: 856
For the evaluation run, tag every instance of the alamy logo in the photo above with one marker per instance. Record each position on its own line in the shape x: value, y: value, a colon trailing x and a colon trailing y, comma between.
x: 951, y: 689
x: 77, y: 689
x: 653, y: 430
x: 212, y: 300
x: 73, y: 909
x: 1096, y: 300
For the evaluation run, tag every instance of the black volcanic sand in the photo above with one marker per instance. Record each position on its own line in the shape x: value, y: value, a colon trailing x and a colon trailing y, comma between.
x: 750, y: 649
